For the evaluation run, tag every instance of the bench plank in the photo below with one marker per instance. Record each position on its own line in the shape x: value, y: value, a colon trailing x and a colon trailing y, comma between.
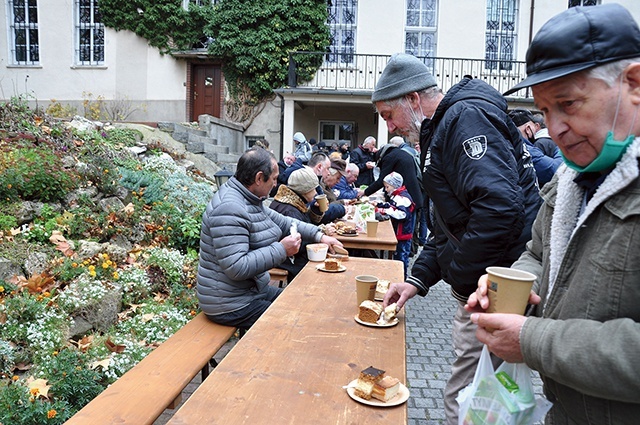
x: 145, y: 391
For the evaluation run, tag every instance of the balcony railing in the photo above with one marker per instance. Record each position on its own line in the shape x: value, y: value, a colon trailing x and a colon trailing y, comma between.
x: 355, y: 72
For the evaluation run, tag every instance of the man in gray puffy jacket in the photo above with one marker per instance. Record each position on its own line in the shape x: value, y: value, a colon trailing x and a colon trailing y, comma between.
x: 241, y: 240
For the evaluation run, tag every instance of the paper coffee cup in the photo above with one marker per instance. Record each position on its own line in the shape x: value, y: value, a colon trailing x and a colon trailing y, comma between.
x: 365, y: 287
x: 508, y: 290
x: 322, y: 202
x: 372, y: 228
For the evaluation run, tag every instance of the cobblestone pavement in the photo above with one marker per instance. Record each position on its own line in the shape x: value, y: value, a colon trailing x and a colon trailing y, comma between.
x: 429, y: 356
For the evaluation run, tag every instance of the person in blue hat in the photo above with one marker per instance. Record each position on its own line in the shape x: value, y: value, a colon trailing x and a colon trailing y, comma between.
x: 583, y: 333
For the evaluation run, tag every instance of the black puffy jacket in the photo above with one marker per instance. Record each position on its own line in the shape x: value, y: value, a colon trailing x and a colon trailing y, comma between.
x: 481, y: 182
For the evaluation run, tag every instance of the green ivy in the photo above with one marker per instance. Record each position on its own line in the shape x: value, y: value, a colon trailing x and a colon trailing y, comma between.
x: 252, y: 39
x: 163, y: 23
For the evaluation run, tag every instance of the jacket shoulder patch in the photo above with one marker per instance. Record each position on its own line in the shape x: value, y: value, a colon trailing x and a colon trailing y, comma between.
x: 475, y: 147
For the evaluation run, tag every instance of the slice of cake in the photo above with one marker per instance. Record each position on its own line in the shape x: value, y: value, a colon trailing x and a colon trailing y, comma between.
x: 381, y: 288
x: 331, y: 264
x: 386, y: 388
x: 369, y: 311
x: 366, y: 382
x: 388, y: 314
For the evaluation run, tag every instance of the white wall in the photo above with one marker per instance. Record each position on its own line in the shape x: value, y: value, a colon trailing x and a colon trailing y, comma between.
x: 132, y: 70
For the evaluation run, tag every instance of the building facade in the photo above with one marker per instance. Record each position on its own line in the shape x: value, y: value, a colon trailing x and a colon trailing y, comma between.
x: 58, y: 51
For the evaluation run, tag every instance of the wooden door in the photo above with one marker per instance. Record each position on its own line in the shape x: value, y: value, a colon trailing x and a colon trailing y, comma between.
x: 206, y: 90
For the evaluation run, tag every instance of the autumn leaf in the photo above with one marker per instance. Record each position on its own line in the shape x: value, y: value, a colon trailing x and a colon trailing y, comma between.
x: 104, y: 364
x: 65, y: 248
x: 22, y: 367
x: 129, y: 209
x: 37, y: 120
x: 38, y: 387
x: 56, y: 237
x: 147, y: 317
x: 38, y: 283
x: 61, y: 243
x: 85, y: 343
x: 113, y: 347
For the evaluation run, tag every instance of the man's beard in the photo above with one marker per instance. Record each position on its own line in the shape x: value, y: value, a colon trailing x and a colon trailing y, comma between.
x: 412, y: 135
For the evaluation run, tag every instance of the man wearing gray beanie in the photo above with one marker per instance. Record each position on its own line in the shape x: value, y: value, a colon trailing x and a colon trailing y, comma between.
x: 482, y: 189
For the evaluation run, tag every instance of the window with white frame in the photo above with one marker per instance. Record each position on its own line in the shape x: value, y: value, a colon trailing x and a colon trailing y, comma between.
x: 343, y: 24
x: 500, y: 34
x: 574, y: 3
x: 420, y: 29
x: 185, y: 3
x: 89, y: 33
x: 336, y: 132
x: 23, y: 27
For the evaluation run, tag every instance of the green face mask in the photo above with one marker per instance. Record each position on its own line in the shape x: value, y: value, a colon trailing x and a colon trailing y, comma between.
x: 611, y: 152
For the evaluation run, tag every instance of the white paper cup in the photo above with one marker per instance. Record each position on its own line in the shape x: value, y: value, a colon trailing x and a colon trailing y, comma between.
x: 508, y: 290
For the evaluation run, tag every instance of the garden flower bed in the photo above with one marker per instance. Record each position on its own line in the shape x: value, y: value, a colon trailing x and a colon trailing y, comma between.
x: 98, y: 257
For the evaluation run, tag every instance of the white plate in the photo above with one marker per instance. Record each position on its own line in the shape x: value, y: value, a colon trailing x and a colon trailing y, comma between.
x: 350, y: 235
x: 375, y: 325
x: 322, y: 269
x: 401, y: 397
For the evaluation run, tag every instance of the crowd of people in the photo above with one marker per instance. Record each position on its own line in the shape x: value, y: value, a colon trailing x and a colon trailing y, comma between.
x: 472, y: 184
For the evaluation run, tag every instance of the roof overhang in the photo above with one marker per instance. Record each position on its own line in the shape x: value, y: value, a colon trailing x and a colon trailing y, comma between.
x: 320, y: 95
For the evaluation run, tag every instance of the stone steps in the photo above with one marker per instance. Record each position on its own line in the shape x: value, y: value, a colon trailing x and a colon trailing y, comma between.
x: 201, y: 140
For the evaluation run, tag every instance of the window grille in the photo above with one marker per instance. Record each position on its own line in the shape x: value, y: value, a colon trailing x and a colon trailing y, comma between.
x: 421, y: 29
x: 574, y: 3
x: 343, y: 24
x: 25, y: 47
x: 89, y: 33
x: 501, y: 34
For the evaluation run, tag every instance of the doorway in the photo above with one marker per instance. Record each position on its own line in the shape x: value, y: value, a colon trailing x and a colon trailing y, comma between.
x: 206, y: 90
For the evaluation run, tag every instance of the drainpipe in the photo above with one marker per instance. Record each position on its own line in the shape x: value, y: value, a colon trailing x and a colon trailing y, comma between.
x: 281, y: 125
x: 533, y: 6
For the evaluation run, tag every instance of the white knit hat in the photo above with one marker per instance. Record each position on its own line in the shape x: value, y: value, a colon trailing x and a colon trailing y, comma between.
x: 394, y: 179
x: 303, y: 180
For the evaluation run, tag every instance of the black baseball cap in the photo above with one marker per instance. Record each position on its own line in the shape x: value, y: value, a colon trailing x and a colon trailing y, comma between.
x: 521, y: 116
x: 578, y: 39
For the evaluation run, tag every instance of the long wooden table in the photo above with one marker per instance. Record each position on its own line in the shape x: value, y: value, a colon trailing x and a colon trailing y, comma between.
x: 385, y: 240
x: 290, y: 367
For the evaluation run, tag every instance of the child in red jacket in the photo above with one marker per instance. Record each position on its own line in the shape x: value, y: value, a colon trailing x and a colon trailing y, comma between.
x: 400, y: 208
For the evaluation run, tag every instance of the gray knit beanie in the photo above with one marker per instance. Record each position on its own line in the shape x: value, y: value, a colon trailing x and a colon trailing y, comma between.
x: 394, y: 179
x: 403, y: 74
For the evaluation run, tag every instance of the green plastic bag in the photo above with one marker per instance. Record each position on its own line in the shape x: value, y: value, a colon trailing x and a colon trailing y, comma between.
x: 501, y: 397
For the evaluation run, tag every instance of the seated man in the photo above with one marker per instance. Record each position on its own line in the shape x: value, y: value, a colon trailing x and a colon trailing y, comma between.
x: 345, y: 188
x: 330, y: 177
x: 241, y: 241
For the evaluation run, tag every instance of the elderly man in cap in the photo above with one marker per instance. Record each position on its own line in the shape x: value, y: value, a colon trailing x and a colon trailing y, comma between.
x: 481, y: 185
x: 583, y: 335
x: 545, y: 165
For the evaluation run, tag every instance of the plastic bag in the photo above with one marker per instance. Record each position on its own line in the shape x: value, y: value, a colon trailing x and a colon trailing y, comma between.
x: 363, y: 213
x: 501, y: 397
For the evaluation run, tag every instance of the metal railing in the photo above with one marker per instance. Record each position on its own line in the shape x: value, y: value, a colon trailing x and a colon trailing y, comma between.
x: 356, y: 72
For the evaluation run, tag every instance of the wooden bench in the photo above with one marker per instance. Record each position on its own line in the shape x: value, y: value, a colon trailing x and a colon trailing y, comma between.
x: 156, y: 383
x: 279, y: 275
